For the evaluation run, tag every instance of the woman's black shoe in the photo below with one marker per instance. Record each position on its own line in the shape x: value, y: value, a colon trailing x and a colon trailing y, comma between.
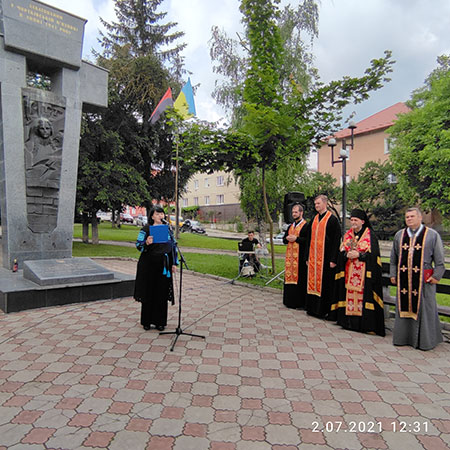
x: 146, y: 327
x: 160, y: 328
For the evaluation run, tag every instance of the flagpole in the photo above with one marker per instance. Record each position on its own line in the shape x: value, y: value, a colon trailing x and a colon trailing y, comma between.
x: 177, y: 213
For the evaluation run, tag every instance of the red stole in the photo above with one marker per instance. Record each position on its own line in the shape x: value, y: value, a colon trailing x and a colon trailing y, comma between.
x: 410, y: 273
x: 316, y: 254
x: 355, y: 271
x: 292, y: 255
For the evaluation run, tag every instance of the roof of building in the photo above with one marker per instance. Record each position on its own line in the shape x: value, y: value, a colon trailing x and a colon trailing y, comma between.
x: 380, y: 120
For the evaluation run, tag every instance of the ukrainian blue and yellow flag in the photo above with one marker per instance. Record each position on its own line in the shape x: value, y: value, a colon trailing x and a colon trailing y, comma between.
x: 184, y: 104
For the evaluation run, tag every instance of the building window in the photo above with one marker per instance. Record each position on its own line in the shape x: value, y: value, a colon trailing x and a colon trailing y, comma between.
x: 206, y: 182
x: 388, y: 144
x: 195, y: 201
x: 220, y: 180
x: 392, y: 178
x: 347, y: 179
x: 206, y: 199
x: 185, y: 202
x: 195, y: 184
x: 220, y: 199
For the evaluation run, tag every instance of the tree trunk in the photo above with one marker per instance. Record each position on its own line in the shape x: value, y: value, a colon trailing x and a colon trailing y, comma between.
x: 268, y: 218
x: 85, y: 225
x: 261, y: 225
x: 94, y: 223
x: 115, y: 219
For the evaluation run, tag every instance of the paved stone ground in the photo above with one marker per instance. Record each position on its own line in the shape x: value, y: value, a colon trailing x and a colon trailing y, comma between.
x: 88, y: 376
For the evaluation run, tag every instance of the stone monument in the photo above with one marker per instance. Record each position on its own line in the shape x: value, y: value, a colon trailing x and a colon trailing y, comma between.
x: 40, y: 131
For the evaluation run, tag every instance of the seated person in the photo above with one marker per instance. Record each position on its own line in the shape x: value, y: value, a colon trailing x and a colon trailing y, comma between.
x: 251, y: 258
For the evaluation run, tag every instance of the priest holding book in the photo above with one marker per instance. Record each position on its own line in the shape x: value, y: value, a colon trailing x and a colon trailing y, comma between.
x: 417, y: 265
x: 157, y: 263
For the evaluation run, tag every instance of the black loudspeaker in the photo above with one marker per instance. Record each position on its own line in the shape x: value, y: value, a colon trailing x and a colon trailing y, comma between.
x: 289, y: 199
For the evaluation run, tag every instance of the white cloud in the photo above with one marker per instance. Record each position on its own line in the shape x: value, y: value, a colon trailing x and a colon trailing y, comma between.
x: 352, y: 32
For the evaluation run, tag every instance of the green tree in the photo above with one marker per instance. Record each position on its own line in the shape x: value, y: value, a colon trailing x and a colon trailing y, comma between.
x: 278, y: 183
x: 421, y: 153
x: 263, y: 120
x: 375, y: 192
x: 139, y: 26
x: 231, y: 57
x: 106, y: 180
x: 314, y: 183
x: 143, y: 55
x: 284, y: 124
x: 143, y: 58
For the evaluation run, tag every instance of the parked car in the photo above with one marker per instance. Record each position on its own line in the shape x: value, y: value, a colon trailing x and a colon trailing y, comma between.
x: 277, y: 240
x: 127, y: 218
x: 192, y: 226
x: 103, y: 216
x: 141, y: 221
x: 172, y: 220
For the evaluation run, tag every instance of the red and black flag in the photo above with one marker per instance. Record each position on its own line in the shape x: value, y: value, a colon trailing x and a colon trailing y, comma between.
x: 164, y: 103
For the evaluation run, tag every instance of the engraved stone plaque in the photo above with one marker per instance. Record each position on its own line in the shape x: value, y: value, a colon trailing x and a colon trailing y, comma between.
x: 47, y: 272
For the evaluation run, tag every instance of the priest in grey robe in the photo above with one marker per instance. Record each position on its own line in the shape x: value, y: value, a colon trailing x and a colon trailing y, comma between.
x: 417, y: 265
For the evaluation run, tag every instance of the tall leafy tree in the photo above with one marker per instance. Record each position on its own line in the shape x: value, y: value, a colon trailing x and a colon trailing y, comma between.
x: 421, y: 153
x: 143, y: 56
x: 151, y: 50
x: 263, y: 119
x: 278, y: 183
x: 231, y: 57
x: 314, y: 183
x: 139, y: 26
x: 284, y: 123
x: 375, y: 191
x: 106, y: 180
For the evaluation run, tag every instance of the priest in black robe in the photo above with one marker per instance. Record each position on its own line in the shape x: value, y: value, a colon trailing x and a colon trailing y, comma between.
x: 323, y: 246
x: 295, y: 269
x: 358, y: 303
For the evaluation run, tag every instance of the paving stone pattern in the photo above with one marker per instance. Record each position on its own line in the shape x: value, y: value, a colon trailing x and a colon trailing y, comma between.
x: 88, y: 376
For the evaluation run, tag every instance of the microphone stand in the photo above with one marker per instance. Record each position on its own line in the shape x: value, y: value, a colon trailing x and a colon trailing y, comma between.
x: 179, y: 331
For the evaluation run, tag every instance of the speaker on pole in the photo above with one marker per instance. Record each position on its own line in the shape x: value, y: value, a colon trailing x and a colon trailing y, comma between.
x: 289, y: 199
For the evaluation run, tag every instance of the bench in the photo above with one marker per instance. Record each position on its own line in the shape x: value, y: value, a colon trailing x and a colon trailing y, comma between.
x: 440, y: 288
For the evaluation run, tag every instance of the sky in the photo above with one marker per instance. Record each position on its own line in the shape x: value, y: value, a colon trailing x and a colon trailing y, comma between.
x: 351, y: 34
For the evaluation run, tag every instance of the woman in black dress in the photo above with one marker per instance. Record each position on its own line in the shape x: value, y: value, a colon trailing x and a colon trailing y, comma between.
x: 154, y: 280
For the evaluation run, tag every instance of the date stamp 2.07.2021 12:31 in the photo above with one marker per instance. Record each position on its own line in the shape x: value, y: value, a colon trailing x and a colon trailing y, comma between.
x: 418, y: 427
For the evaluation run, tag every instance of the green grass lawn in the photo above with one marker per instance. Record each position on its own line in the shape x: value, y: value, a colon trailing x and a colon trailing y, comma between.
x: 227, y: 266
x: 128, y: 233
x: 221, y: 265
x: 103, y: 250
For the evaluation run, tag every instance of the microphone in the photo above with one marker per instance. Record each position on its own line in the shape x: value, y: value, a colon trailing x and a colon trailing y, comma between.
x: 164, y: 221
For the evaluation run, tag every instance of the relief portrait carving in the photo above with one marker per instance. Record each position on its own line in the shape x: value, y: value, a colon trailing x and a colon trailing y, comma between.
x: 43, y: 153
x: 43, y: 147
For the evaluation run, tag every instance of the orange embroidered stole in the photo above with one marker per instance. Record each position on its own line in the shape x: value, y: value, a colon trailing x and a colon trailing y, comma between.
x: 292, y: 256
x: 355, y: 272
x: 316, y: 254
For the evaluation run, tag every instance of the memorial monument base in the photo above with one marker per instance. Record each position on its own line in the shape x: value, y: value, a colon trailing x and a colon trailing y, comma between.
x: 47, y: 272
x: 74, y: 280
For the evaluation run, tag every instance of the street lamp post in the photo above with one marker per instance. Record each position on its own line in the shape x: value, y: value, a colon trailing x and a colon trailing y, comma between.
x: 343, y: 155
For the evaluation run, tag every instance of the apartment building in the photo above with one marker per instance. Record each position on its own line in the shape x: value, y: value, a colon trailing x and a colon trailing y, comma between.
x: 371, y: 143
x: 216, y: 194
